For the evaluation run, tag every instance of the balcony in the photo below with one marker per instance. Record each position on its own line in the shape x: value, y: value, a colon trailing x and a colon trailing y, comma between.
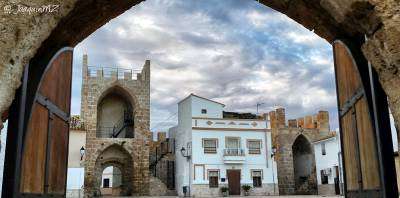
x: 234, y: 156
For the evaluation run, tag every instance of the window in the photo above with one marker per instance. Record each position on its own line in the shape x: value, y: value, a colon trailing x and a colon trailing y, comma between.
x: 257, y: 178
x: 204, y: 111
x: 254, y: 146
x: 323, y: 148
x: 232, y: 143
x: 210, y: 145
x: 213, y: 177
x: 106, y: 183
x: 324, y: 177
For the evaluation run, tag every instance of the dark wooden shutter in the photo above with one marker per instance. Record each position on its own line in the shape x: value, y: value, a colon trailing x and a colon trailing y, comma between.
x: 45, y: 150
x: 359, y: 142
x: 171, y: 175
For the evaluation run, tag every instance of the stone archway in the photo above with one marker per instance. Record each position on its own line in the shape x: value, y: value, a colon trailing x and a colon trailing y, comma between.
x: 115, y: 101
x: 116, y: 156
x: 305, y: 177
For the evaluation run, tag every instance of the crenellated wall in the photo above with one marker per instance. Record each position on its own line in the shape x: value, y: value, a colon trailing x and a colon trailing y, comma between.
x: 312, y: 127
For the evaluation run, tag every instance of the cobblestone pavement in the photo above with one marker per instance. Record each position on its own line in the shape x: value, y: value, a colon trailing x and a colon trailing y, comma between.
x: 297, y: 196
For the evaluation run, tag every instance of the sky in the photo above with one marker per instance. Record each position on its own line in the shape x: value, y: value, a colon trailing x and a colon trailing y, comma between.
x: 237, y: 52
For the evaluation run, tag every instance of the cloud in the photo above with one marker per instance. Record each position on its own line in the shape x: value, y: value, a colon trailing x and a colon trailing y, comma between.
x: 238, y: 52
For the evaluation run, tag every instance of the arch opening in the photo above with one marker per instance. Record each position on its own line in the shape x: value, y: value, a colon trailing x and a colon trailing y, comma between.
x: 114, y: 172
x: 304, y: 166
x: 111, y: 181
x: 115, y: 114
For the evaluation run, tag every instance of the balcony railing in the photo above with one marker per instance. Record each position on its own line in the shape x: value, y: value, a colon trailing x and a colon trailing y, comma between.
x: 233, y: 152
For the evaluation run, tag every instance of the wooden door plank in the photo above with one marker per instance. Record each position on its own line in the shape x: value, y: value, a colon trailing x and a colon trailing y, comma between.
x: 368, y: 155
x: 58, y: 154
x: 350, y: 152
x: 56, y: 84
x: 34, y: 154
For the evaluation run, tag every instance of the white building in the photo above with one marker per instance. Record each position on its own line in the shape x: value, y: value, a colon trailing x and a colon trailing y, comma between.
x: 328, y: 169
x: 213, y: 151
x: 75, y: 176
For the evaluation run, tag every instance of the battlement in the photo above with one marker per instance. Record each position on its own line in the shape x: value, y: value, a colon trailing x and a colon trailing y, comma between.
x: 316, y: 121
x: 114, y: 73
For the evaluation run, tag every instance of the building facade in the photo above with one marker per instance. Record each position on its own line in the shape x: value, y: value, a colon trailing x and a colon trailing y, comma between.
x: 327, y: 151
x: 213, y: 151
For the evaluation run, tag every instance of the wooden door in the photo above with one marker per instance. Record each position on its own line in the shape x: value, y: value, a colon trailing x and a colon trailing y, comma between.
x: 42, y: 170
x: 234, y: 182
x: 358, y: 136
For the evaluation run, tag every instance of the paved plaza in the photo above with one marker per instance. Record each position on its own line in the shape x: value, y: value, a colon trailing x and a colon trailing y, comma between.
x: 283, y: 196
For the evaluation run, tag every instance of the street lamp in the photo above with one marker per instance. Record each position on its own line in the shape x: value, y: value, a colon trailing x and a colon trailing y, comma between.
x: 184, y: 152
x: 82, y: 151
x: 273, y: 151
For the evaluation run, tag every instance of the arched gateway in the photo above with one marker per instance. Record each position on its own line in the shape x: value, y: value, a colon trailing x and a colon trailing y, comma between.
x: 351, y: 21
x: 116, y: 110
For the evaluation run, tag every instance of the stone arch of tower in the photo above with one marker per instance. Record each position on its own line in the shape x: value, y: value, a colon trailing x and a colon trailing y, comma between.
x: 121, y: 104
x: 305, y: 178
x: 116, y: 156
x: 121, y: 90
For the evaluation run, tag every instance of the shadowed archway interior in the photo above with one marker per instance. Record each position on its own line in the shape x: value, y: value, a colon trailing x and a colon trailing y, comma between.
x: 117, y: 157
x: 115, y: 115
x: 304, y: 166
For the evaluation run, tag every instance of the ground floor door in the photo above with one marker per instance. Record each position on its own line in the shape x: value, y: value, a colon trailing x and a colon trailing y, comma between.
x: 234, y: 182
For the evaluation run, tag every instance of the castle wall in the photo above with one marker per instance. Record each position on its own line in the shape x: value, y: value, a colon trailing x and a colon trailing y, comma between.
x: 313, y: 128
x: 95, y: 86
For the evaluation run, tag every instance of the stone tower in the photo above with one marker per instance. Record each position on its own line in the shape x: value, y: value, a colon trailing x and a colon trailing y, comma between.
x: 293, y: 141
x: 116, y: 110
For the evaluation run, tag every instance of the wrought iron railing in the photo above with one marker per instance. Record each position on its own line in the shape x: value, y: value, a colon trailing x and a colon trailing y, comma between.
x: 107, y: 72
x: 126, y: 120
x: 234, y: 152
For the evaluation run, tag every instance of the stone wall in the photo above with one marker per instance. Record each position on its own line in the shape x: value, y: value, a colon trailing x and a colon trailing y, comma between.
x: 162, y: 156
x: 313, y: 128
x: 135, y: 149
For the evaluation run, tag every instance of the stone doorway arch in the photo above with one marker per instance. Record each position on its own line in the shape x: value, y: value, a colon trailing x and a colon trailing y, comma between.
x: 305, y: 177
x: 116, y: 156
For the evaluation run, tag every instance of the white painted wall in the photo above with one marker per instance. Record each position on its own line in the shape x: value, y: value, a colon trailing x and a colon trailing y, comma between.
x: 3, y: 137
x: 184, y: 134
x: 77, y: 139
x: 75, y: 178
x: 261, y: 161
x: 214, y: 110
x: 329, y: 160
x: 107, y: 174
